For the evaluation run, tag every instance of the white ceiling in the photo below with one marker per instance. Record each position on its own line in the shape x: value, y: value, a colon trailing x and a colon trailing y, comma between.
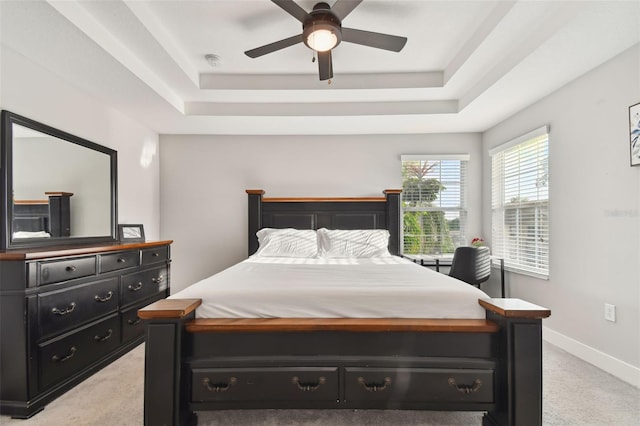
x: 467, y: 65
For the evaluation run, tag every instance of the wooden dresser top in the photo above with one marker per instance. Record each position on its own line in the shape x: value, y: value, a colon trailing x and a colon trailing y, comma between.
x: 46, y: 252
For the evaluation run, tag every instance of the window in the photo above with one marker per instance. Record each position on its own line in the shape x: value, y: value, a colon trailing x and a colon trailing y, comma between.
x: 433, y: 203
x: 520, y: 203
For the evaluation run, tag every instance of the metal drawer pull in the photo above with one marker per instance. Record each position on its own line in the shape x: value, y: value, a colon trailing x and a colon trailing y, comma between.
x: 134, y: 322
x: 155, y: 254
x: 105, y: 337
x: 308, y: 386
x: 71, y: 353
x: 70, y: 268
x: 121, y: 260
x: 103, y: 299
x: 219, y: 387
x: 466, y: 388
x: 136, y: 287
x: 159, y: 279
x: 375, y: 387
x: 66, y: 311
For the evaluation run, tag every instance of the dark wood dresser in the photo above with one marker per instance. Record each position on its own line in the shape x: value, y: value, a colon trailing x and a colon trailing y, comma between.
x: 66, y: 313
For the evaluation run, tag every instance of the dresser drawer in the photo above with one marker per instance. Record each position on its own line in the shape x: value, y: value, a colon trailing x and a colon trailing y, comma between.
x: 132, y: 326
x: 153, y: 255
x: 120, y: 260
x: 63, y: 309
x: 265, y: 384
x: 66, y: 269
x: 141, y: 285
x: 418, y: 384
x: 62, y: 357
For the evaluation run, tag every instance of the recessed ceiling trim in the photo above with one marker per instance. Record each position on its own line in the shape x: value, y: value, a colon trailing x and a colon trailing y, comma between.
x: 213, y: 81
x: 477, y: 38
x: 553, y: 20
x: 78, y: 16
x: 143, y: 13
x: 325, y: 109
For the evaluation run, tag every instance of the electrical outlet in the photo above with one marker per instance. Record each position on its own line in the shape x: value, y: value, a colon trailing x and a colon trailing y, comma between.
x: 610, y: 312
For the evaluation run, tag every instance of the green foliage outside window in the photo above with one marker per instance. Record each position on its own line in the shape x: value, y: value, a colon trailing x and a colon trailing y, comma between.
x: 426, y: 230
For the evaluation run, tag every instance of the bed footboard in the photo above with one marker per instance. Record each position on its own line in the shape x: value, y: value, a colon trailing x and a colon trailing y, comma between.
x: 164, y: 391
x: 492, y: 365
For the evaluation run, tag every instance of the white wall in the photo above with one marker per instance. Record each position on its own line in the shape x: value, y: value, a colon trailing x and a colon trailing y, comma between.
x: 203, y: 181
x: 594, y: 215
x: 31, y: 91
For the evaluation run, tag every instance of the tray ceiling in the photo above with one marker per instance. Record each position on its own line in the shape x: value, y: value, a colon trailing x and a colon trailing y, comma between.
x: 467, y: 65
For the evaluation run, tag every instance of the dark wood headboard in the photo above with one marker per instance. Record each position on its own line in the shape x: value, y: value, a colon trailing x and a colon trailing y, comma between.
x: 52, y: 215
x: 325, y: 212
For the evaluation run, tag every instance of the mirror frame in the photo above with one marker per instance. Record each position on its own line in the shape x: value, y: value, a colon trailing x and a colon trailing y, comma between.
x: 8, y: 119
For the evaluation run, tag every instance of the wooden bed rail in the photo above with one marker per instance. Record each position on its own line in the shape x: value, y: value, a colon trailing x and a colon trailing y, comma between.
x: 268, y: 325
x: 181, y: 308
x: 261, y: 192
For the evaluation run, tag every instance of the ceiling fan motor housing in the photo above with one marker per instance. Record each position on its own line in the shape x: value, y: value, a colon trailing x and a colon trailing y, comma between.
x: 321, y: 18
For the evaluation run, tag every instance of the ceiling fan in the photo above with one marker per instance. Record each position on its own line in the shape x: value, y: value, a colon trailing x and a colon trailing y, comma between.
x: 322, y: 30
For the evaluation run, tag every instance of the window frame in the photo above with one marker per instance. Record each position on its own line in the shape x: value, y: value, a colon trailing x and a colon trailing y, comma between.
x: 461, y: 209
x: 523, y: 261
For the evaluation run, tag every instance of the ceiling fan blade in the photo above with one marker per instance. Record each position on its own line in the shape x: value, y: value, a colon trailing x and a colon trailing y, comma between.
x: 377, y: 40
x: 275, y: 46
x: 325, y: 66
x: 292, y: 9
x: 341, y: 8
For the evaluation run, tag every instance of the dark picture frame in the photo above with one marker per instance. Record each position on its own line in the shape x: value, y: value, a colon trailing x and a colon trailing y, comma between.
x: 634, y: 134
x: 131, y: 233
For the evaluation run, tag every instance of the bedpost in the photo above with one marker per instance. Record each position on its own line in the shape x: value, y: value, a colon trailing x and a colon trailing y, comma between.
x: 164, y: 382
x: 255, y: 217
x: 519, y: 373
x: 394, y: 221
x: 59, y: 213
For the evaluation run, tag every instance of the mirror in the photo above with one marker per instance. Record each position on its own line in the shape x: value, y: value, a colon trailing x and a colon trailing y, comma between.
x: 57, y: 188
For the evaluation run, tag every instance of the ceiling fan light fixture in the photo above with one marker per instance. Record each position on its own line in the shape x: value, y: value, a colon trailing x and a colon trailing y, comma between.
x: 322, y: 30
x: 322, y: 40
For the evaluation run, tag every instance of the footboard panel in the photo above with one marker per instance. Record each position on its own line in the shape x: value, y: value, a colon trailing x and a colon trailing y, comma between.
x: 336, y: 343
x: 491, y: 365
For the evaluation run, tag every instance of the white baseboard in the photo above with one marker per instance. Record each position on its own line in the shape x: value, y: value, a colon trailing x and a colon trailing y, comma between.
x: 622, y: 370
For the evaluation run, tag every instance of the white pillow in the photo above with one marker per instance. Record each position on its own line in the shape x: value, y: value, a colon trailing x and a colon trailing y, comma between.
x: 287, y: 242
x: 339, y: 243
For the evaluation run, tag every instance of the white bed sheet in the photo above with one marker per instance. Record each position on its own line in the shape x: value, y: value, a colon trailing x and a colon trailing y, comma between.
x: 384, y: 287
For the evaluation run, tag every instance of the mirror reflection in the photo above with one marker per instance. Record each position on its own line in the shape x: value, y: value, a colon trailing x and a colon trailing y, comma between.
x: 68, y: 180
x: 59, y: 189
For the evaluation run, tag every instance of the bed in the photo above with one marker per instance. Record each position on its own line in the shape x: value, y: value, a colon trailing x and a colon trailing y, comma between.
x: 208, y: 348
x: 42, y: 218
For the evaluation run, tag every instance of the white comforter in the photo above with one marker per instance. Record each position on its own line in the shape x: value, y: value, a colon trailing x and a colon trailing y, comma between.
x: 384, y: 287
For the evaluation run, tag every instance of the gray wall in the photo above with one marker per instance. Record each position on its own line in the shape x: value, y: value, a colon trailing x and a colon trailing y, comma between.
x: 203, y: 181
x: 594, y: 214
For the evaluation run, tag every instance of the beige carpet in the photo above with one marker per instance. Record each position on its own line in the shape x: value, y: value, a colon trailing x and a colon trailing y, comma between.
x: 575, y: 393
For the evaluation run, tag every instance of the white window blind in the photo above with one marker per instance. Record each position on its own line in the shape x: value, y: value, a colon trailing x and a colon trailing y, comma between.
x: 433, y: 202
x: 520, y: 203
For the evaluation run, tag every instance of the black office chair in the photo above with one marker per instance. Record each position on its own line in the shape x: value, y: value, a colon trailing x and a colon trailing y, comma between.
x: 471, y: 265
